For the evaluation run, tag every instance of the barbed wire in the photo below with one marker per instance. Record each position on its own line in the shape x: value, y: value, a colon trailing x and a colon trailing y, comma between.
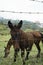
x: 22, y: 12
x: 37, y: 1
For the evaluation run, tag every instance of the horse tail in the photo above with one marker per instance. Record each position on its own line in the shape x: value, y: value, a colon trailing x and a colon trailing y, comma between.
x: 41, y: 37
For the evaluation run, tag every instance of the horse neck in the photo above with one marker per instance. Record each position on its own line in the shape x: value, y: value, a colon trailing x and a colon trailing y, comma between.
x: 23, y: 34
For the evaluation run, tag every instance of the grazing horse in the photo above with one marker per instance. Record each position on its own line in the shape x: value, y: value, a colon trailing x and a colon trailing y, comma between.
x: 22, y: 40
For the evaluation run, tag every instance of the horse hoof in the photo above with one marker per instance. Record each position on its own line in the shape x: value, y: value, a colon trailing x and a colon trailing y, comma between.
x: 23, y: 63
x: 26, y: 58
x: 38, y: 56
x: 14, y: 60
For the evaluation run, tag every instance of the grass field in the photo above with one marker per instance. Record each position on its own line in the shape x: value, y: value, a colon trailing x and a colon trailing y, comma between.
x: 9, y: 60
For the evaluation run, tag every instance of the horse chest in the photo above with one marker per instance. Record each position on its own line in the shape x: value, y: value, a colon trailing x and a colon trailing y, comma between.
x: 23, y: 44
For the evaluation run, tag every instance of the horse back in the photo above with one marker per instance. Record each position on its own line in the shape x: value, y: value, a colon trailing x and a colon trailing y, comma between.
x: 36, y: 33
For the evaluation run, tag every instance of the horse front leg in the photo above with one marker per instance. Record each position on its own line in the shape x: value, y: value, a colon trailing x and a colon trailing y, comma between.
x: 23, y: 57
x: 28, y: 52
x: 15, y: 54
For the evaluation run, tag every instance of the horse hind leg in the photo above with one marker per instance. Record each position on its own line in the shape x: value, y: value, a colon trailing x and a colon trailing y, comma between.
x: 38, y: 47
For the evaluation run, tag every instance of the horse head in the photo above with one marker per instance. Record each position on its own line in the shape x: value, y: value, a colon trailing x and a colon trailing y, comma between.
x: 6, y: 52
x: 15, y: 30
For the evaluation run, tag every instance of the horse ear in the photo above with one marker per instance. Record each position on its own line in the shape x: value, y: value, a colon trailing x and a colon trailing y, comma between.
x: 10, y: 24
x: 20, y: 24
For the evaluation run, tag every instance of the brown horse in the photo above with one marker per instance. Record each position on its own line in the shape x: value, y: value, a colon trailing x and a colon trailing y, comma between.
x: 22, y: 40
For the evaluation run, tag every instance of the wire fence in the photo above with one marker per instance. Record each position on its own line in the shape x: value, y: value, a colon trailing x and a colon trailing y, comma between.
x: 37, y: 1
x: 22, y: 12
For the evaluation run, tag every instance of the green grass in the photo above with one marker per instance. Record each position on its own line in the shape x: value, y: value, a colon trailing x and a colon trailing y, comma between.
x: 9, y: 60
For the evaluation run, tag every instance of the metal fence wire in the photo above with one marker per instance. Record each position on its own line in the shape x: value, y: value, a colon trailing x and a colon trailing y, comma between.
x: 22, y: 12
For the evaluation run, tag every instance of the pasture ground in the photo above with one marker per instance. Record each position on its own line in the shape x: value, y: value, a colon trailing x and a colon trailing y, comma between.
x: 9, y: 60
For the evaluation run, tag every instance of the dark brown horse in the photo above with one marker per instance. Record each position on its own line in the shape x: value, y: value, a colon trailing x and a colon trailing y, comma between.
x: 22, y: 40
